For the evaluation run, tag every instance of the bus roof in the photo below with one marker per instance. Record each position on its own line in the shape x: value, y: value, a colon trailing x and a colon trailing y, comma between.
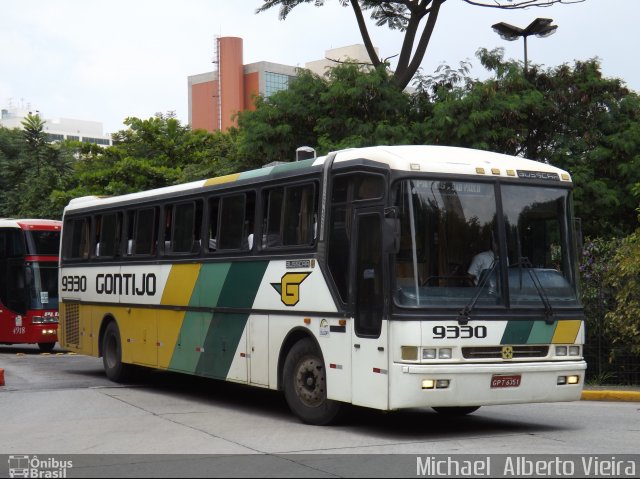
x: 414, y: 158
x: 448, y: 160
x: 30, y: 224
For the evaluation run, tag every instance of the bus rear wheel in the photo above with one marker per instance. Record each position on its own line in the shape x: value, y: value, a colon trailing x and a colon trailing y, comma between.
x: 456, y: 411
x: 114, y: 368
x: 305, y: 385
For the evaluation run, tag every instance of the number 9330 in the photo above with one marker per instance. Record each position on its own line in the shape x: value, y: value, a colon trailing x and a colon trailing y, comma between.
x: 459, y: 332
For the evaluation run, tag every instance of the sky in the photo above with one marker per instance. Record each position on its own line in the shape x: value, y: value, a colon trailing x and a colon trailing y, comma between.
x: 105, y: 61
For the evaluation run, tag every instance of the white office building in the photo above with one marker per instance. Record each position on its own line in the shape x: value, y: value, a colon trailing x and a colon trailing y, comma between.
x: 58, y: 129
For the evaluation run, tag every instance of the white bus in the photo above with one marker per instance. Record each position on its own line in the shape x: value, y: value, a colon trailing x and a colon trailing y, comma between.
x: 386, y: 277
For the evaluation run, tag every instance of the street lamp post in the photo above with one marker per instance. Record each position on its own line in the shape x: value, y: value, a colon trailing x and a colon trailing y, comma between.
x: 540, y: 27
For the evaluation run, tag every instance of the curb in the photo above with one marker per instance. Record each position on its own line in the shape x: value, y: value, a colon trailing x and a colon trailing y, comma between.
x: 608, y: 395
x: 1, y: 377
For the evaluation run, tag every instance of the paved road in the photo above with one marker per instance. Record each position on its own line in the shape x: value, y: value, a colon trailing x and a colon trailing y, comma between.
x: 63, y: 404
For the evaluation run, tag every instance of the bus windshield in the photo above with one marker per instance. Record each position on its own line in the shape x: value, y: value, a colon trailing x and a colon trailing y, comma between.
x: 451, y: 253
x: 42, y: 284
x: 43, y: 242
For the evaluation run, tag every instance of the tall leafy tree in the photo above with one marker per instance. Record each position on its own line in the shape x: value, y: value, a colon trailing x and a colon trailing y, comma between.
x: 283, y: 122
x: 32, y: 169
x: 350, y: 107
x: 36, y: 140
x: 417, y: 20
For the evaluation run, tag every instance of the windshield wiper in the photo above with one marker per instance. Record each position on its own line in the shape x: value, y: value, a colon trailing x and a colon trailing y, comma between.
x: 548, y: 310
x: 464, y: 314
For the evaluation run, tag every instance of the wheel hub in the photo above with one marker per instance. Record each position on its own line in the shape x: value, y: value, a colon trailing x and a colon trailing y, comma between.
x: 309, y: 382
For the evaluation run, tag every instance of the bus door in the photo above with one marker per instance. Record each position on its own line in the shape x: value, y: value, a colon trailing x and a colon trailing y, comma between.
x: 370, y: 363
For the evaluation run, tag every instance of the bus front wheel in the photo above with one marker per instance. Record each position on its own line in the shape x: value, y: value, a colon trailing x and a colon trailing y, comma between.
x: 305, y: 385
x: 114, y: 368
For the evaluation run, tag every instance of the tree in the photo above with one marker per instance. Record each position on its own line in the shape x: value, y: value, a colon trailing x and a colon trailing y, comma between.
x: 624, y: 277
x: 416, y: 18
x: 32, y: 169
x: 36, y: 139
x: 281, y: 123
x: 349, y: 108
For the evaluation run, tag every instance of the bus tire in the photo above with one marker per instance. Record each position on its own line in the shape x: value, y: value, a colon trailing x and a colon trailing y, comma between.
x: 305, y: 385
x: 114, y: 368
x: 456, y: 411
x: 46, y: 347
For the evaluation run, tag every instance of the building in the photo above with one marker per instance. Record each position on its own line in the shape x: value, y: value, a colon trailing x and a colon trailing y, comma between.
x: 58, y: 129
x: 216, y: 97
x: 335, y: 56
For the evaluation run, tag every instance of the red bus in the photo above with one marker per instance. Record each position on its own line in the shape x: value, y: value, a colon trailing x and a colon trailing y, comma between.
x: 29, y: 252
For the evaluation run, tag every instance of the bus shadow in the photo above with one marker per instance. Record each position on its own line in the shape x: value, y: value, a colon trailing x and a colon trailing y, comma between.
x: 425, y: 423
x: 25, y: 349
x: 418, y: 424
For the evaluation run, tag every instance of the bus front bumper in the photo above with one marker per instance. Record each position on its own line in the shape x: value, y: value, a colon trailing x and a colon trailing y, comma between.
x: 481, y: 384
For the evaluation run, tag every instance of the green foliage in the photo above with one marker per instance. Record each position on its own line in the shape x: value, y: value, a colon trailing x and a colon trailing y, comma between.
x: 624, y: 276
x: 362, y: 108
x: 150, y: 153
x: 350, y: 108
x: 32, y: 170
x: 281, y: 123
x: 610, y: 280
x: 597, y: 296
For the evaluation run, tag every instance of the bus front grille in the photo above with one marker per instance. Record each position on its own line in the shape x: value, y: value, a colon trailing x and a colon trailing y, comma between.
x: 495, y: 352
x: 72, y: 325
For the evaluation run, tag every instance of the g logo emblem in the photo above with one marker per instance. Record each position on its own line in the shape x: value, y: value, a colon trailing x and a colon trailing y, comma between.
x: 289, y: 287
x: 507, y: 352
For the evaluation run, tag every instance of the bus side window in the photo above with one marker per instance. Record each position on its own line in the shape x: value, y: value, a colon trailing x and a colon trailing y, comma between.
x: 185, y: 233
x: 290, y: 216
x: 77, y: 243
x: 299, y: 219
x: 272, y: 229
x: 237, y: 221
x: 107, y: 231
x: 142, y: 228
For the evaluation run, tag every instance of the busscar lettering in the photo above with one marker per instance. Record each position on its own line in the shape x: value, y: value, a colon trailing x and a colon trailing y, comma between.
x: 127, y: 284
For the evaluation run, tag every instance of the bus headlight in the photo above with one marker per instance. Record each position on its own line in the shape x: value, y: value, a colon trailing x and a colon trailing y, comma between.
x: 573, y: 379
x: 444, y: 353
x: 574, y: 350
x: 561, y: 350
x: 429, y: 353
x: 442, y: 384
x: 428, y: 384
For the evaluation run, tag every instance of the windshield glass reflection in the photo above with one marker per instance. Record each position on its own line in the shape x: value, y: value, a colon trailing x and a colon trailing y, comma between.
x: 450, y: 254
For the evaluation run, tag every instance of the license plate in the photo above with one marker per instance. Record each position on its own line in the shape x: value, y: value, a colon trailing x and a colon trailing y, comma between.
x: 505, y: 381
